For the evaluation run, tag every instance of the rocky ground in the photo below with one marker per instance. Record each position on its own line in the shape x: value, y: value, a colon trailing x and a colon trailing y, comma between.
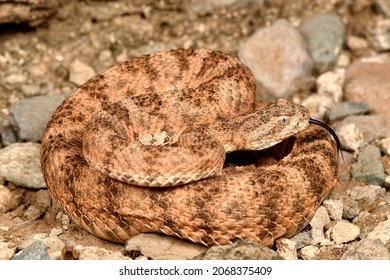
x: 331, y: 56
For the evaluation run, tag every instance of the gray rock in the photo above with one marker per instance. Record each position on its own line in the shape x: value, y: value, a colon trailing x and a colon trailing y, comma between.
x: 345, y: 109
x: 351, y: 208
x: 324, y: 34
x: 20, y: 164
x: 36, y: 251
x: 240, y: 250
x: 367, y: 249
x: 301, y: 239
x: 160, y: 247
x: 369, y: 166
x: 278, y: 58
x: 30, y: 116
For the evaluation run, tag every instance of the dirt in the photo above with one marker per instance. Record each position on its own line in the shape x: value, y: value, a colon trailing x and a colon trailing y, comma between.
x: 103, y: 33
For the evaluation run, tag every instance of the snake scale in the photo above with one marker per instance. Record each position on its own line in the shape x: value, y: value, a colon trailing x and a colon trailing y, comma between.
x: 141, y: 147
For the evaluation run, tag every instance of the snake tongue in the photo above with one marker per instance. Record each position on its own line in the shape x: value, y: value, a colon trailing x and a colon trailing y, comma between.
x: 329, y: 129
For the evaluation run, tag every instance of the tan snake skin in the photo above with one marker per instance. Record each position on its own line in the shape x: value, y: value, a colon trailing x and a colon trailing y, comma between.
x: 166, y: 120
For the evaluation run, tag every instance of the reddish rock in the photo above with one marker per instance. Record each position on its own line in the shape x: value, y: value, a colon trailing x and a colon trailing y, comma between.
x: 369, y: 82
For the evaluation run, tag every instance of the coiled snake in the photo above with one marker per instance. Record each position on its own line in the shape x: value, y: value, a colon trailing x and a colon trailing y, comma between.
x: 141, y: 148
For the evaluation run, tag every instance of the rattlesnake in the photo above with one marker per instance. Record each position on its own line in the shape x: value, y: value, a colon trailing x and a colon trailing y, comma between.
x: 167, y: 119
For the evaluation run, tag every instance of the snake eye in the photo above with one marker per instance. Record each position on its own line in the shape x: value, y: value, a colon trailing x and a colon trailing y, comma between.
x: 283, y: 120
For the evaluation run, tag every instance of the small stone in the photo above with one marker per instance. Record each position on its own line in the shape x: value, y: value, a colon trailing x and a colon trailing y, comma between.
x: 239, y: 250
x: 381, y: 232
x: 56, y: 231
x: 369, y: 193
x: 32, y: 213
x: 331, y: 82
x: 80, y: 72
x: 335, y: 208
x: 357, y: 43
x: 43, y: 199
x: 324, y: 34
x: 286, y: 248
x: 30, y: 116
x: 381, y: 35
x: 351, y: 138
x: 318, y: 104
x: 343, y: 231
x: 384, y: 145
x: 367, y: 249
x: 203, y: 6
x: 54, y: 246
x: 5, y: 199
x: 369, y: 166
x: 320, y: 219
x: 5, y: 252
x: 278, y: 58
x: 36, y: 251
x: 160, y: 247
x: 387, y: 181
x: 301, y: 239
x: 309, y: 252
x: 31, y: 90
x: 369, y: 82
x: 345, y: 109
x: 20, y: 164
x: 351, y: 208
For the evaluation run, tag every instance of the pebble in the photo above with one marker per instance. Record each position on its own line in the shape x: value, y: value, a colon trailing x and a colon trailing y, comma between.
x: 351, y: 138
x: 5, y: 252
x: 278, y: 58
x: 335, y: 208
x: 343, y: 232
x: 351, y: 208
x: 20, y: 164
x: 381, y: 35
x: 318, y: 105
x: 324, y: 34
x: 320, y: 219
x: 357, y: 43
x: 80, y: 72
x: 239, y: 250
x: 32, y: 213
x: 367, y: 249
x: 381, y: 232
x: 384, y: 145
x: 309, y: 252
x: 43, y: 199
x: 331, y: 82
x: 344, y: 109
x: 286, y: 248
x: 369, y: 165
x: 54, y: 246
x: 372, y: 195
x: 369, y: 82
x: 301, y: 239
x: 30, y: 116
x: 36, y: 251
x: 159, y: 247
x: 6, y: 198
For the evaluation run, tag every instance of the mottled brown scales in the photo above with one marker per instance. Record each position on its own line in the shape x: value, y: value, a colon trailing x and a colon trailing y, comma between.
x: 168, y: 119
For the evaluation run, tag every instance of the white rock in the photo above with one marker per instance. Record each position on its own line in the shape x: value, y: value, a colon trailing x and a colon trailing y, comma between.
x: 335, y: 208
x: 332, y: 82
x: 80, y: 72
x: 351, y: 138
x: 5, y: 199
x: 384, y: 145
x: 286, y: 248
x: 20, y: 164
x: 320, y: 219
x: 343, y: 231
x: 309, y: 252
x: 381, y: 232
x: 318, y: 104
